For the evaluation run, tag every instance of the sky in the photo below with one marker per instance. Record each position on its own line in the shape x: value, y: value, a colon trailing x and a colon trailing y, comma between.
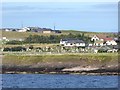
x: 83, y: 16
x: 60, y: 0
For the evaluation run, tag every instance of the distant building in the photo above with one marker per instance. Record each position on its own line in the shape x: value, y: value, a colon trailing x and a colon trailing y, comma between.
x: 72, y: 42
x: 25, y: 29
x: 9, y: 29
x: 32, y: 29
x: 47, y: 31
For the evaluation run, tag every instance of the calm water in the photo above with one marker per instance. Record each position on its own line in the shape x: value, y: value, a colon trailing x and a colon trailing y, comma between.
x: 58, y: 81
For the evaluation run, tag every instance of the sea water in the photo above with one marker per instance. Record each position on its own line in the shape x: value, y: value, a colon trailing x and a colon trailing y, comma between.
x: 58, y: 81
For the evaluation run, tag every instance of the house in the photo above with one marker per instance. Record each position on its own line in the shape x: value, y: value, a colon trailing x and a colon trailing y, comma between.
x: 72, y: 42
x: 47, y: 31
x: 101, y: 40
x: 110, y: 41
x: 22, y: 30
x: 9, y: 29
x: 30, y: 29
x: 25, y: 29
x: 35, y: 29
x: 98, y: 37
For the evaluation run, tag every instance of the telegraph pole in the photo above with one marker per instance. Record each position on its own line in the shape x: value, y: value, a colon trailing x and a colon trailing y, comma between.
x: 21, y: 24
x: 54, y: 26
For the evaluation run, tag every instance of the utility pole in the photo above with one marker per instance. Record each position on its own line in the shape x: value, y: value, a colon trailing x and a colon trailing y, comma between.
x: 54, y: 26
x: 21, y: 24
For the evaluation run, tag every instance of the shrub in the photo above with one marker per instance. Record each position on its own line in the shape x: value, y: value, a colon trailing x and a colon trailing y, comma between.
x: 7, y: 49
x: 15, y: 49
x: 13, y: 42
x: 18, y: 48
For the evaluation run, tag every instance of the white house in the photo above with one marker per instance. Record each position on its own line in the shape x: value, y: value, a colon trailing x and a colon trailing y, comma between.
x: 112, y: 42
x: 101, y: 40
x: 7, y: 30
x: 72, y: 42
x: 47, y: 31
x: 25, y: 29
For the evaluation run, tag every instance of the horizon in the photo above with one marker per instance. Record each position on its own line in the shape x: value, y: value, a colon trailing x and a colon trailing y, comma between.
x: 80, y: 16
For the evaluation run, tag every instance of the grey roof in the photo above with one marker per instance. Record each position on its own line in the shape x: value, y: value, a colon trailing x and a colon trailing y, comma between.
x: 73, y: 40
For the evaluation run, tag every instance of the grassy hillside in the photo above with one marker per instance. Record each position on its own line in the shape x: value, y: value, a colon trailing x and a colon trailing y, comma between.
x: 18, y: 35
x: 22, y: 35
x: 86, y: 33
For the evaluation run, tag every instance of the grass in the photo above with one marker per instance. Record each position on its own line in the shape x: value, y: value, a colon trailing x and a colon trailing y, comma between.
x: 35, y: 45
x: 65, y: 58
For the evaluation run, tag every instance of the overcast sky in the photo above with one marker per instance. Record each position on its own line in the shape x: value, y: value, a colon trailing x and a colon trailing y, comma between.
x: 84, y: 16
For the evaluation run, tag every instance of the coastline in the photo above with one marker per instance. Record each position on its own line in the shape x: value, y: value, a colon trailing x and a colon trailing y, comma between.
x: 96, y: 64
x: 37, y: 71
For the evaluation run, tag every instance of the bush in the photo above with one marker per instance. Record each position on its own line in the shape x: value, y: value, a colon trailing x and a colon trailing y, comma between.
x: 54, y: 38
x: 18, y: 49
x: 7, y: 49
x: 15, y: 49
x: 13, y: 42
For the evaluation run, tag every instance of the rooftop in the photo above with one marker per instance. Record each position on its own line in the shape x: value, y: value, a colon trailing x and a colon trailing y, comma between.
x: 69, y: 40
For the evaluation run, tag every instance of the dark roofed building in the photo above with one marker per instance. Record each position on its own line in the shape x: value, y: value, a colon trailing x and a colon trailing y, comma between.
x: 72, y: 42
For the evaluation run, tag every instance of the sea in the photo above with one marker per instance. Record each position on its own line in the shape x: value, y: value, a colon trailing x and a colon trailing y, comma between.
x: 58, y: 81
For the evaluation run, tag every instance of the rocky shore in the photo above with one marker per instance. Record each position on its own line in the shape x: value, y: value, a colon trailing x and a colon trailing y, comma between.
x: 63, y: 70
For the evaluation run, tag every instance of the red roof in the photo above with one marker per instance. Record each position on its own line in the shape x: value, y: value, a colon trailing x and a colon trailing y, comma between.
x: 108, y: 39
x: 105, y: 38
x: 101, y: 36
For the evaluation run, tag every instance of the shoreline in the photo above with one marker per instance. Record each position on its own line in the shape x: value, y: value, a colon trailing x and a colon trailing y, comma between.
x: 62, y: 71
x: 84, y: 64
x: 66, y: 73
